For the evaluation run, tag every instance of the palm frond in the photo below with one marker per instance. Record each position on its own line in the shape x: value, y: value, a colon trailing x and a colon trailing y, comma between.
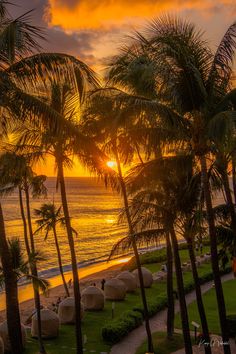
x: 143, y: 238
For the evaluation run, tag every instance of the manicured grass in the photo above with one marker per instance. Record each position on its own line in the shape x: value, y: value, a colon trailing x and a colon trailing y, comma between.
x: 210, y: 303
x: 162, y: 345
x: 94, y: 321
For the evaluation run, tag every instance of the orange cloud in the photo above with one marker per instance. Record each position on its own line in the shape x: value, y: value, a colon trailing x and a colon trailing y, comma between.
x: 104, y: 14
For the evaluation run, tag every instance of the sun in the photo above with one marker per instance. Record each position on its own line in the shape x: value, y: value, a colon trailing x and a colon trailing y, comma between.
x: 111, y: 164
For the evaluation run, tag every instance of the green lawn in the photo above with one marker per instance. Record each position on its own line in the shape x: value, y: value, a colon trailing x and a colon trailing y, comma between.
x: 209, y: 299
x: 162, y: 345
x: 94, y: 321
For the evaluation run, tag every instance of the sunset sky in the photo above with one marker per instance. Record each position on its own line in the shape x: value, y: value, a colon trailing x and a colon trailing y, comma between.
x: 93, y: 29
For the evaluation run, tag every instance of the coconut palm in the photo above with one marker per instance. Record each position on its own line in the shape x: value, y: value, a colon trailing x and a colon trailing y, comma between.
x: 16, y: 172
x: 153, y: 209
x: 106, y: 123
x: 20, y: 76
x: 22, y: 267
x: 150, y: 227
x: 12, y: 305
x: 171, y: 175
x: 197, y: 82
x: 49, y: 217
x: 63, y: 147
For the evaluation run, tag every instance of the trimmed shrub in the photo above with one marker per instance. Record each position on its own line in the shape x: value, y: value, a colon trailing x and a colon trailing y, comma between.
x: 231, y: 324
x: 154, y: 306
x: 115, y: 330
x: 157, y: 256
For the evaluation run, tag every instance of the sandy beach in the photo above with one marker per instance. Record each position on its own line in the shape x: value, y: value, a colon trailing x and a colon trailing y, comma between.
x: 89, y: 276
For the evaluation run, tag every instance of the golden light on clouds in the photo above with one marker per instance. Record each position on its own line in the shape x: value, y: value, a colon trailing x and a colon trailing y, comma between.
x: 103, y: 14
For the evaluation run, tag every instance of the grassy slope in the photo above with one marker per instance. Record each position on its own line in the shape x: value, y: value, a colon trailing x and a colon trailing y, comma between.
x: 93, y: 321
x: 211, y: 307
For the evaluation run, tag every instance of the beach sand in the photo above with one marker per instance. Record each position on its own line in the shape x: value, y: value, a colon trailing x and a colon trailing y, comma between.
x: 27, y: 306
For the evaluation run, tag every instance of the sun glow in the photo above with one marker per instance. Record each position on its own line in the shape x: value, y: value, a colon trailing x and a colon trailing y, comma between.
x: 111, y: 164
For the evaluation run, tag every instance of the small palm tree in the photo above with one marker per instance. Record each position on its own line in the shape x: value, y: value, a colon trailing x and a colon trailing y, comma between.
x: 22, y: 267
x: 10, y: 282
x: 49, y: 217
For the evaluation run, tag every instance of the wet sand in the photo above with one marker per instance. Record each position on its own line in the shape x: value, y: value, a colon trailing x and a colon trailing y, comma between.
x: 89, y: 275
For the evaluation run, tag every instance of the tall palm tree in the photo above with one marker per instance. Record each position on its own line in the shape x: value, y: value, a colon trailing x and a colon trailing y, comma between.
x: 162, y: 178
x: 150, y: 227
x: 105, y: 122
x: 199, y: 82
x: 66, y: 101
x: 49, y: 217
x: 17, y: 173
x: 19, y: 77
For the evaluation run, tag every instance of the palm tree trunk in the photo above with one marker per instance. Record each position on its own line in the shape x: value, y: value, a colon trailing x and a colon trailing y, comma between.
x: 27, y: 246
x: 12, y: 303
x: 60, y: 261
x: 76, y: 285
x: 214, y: 256
x: 170, y: 295
x: 34, y: 272
x: 136, y: 254
x: 234, y: 175
x: 181, y: 294
x: 230, y: 204
x: 198, y: 291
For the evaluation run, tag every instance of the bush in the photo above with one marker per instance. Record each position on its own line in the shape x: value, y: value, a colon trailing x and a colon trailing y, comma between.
x: 115, y: 330
x: 231, y: 323
x: 154, y: 306
x: 157, y: 256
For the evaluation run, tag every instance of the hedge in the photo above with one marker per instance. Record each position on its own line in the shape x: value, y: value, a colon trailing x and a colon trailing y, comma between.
x: 118, y: 328
x: 157, y: 256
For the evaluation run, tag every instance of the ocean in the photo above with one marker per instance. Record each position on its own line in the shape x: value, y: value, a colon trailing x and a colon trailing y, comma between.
x: 94, y: 210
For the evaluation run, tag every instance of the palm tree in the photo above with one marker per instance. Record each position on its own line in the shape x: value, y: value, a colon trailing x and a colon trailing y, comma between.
x: 20, y: 77
x: 163, y: 178
x: 10, y: 281
x: 22, y: 267
x: 199, y: 82
x: 17, y: 173
x: 150, y: 227
x: 66, y: 101
x: 105, y: 123
x: 49, y: 217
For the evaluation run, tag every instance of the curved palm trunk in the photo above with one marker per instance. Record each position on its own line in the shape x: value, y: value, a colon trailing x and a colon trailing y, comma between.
x: 170, y: 295
x: 230, y: 204
x: 198, y: 291
x: 136, y: 254
x: 76, y: 286
x: 181, y: 293
x: 10, y: 281
x: 214, y: 256
x: 60, y: 261
x: 27, y: 246
x: 34, y: 272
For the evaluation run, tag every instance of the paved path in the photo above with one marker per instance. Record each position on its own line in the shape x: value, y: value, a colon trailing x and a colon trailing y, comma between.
x: 132, y: 342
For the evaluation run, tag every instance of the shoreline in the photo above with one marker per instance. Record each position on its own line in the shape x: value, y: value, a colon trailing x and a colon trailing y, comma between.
x: 88, y: 275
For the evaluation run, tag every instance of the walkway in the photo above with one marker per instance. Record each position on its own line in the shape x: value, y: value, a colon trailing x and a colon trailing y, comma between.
x: 132, y: 342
